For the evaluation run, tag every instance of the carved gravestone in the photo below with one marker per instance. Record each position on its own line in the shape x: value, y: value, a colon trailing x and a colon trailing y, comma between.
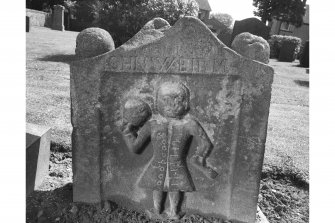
x: 171, y: 122
x: 250, y: 25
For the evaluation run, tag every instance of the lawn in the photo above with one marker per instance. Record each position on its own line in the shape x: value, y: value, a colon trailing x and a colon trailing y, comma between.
x: 286, y: 163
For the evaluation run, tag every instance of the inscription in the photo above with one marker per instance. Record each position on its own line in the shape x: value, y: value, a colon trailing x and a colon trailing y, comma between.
x: 167, y: 65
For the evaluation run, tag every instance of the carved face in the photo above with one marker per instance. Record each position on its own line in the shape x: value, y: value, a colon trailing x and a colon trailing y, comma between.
x: 172, y: 100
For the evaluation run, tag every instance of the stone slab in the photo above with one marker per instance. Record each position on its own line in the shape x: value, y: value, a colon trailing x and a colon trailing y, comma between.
x: 223, y: 129
x: 37, y: 155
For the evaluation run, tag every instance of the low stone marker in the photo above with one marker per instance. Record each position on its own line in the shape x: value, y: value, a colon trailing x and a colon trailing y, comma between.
x: 58, y: 18
x: 250, y: 25
x: 37, y: 155
x: 171, y: 122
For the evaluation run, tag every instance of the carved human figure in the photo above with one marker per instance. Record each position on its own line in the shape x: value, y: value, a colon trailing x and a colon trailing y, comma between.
x: 170, y: 132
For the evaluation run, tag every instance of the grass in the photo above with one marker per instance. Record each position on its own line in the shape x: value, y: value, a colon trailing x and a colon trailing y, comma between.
x: 48, y: 103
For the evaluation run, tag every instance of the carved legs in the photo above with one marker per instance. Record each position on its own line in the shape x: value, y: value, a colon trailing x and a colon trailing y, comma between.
x: 174, y: 197
x: 157, y: 198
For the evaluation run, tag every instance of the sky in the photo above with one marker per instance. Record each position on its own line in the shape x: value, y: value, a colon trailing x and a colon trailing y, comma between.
x: 238, y: 9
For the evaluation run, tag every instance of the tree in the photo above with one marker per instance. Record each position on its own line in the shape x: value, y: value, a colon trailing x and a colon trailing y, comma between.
x: 224, y: 19
x: 123, y: 19
x: 291, y: 11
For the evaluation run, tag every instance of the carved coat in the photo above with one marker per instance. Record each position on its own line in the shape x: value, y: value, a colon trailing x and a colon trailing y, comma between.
x: 167, y: 170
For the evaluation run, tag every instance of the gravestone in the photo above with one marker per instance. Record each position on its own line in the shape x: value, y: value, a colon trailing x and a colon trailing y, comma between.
x: 37, y: 155
x: 27, y: 23
x: 58, y: 18
x: 250, y: 25
x: 171, y: 122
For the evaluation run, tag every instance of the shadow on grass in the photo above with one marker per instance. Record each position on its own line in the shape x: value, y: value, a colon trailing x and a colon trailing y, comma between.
x: 302, y: 83
x: 63, y: 58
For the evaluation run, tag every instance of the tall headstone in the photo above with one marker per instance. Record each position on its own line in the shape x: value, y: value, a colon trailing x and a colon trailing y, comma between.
x: 250, y: 25
x: 171, y: 122
x: 37, y: 155
x: 58, y: 18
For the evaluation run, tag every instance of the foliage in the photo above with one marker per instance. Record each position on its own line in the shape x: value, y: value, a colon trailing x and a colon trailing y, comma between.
x: 276, y: 42
x: 123, y: 19
x: 291, y: 11
x: 225, y: 20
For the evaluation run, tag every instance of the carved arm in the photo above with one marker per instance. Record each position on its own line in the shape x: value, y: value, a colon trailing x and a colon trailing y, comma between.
x: 136, y: 141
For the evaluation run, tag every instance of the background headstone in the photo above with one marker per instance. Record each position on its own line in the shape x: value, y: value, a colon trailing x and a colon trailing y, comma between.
x: 92, y: 42
x: 250, y: 25
x: 37, y: 155
x: 228, y: 97
x: 251, y: 46
x: 27, y: 23
x: 58, y: 18
x: 304, y: 57
x: 287, y: 51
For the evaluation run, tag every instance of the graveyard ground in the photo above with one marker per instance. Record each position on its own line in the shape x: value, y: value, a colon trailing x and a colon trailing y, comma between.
x: 284, y: 193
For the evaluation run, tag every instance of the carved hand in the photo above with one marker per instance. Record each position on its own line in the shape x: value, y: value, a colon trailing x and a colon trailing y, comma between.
x: 199, y: 163
x: 127, y: 128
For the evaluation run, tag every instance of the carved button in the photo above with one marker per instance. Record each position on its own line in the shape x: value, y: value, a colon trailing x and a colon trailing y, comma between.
x: 163, y: 147
x: 160, y: 176
x: 159, y: 182
x: 161, y: 168
x: 163, y: 154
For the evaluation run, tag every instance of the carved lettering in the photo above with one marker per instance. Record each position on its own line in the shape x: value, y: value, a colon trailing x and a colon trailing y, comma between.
x: 167, y: 65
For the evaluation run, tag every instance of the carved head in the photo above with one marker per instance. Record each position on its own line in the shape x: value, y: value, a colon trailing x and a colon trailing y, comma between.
x: 173, y: 99
x: 136, y: 112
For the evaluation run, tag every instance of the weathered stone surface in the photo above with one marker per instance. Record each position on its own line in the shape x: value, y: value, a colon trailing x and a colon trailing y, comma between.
x: 157, y: 23
x: 92, y: 42
x: 58, y: 18
x: 251, y: 25
x: 37, y: 155
x: 174, y: 111
x: 251, y: 46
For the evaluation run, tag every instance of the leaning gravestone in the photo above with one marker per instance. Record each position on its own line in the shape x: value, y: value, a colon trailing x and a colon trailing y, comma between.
x: 171, y: 122
x: 250, y: 25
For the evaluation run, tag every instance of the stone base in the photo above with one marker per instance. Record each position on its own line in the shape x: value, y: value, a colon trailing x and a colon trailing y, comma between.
x: 37, y: 155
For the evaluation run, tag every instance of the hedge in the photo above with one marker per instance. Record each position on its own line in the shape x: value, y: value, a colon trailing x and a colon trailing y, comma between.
x: 276, y: 42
